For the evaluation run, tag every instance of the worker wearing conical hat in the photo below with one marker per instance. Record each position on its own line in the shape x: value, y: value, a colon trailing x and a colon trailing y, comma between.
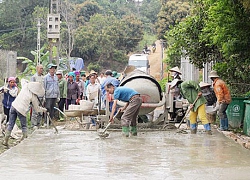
x: 174, y: 93
x: 176, y: 73
x: 208, y: 93
x: 190, y: 90
x: 223, y: 98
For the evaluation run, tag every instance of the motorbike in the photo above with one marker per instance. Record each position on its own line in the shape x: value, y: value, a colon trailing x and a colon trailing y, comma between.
x: 176, y: 105
x: 146, y: 51
x: 179, y: 109
x: 153, y: 49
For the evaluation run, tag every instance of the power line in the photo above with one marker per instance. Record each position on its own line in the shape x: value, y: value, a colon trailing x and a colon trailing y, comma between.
x: 6, y: 30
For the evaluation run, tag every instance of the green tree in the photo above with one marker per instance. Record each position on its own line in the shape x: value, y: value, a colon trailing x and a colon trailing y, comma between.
x: 85, y: 10
x: 215, y: 31
x: 228, y: 27
x: 102, y: 39
x: 171, y: 13
x: 32, y: 63
x: 17, y: 27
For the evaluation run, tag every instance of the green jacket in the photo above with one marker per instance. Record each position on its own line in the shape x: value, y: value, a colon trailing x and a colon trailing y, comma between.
x: 63, y: 88
x: 189, y: 91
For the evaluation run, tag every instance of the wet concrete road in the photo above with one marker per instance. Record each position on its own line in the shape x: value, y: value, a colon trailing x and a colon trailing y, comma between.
x: 77, y: 155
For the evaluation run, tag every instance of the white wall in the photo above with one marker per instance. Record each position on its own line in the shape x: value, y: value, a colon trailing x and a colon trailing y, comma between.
x: 206, y: 70
x: 188, y: 70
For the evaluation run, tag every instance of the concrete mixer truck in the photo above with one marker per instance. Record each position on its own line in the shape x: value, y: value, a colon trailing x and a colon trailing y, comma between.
x: 149, y: 89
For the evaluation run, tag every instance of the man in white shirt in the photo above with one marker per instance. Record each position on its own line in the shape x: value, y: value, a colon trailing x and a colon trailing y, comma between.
x: 36, y: 117
x: 101, y: 78
x: 92, y: 92
x: 92, y: 88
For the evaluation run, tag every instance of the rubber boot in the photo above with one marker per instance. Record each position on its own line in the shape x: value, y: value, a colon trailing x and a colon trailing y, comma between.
x: 193, y: 128
x: 61, y: 118
x: 222, y: 125
x: 207, y: 128
x: 133, y: 130
x: 6, y: 138
x: 25, y: 135
x: 125, y: 131
x: 188, y: 124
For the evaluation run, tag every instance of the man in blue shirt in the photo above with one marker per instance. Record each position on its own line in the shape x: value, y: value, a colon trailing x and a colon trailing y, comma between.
x: 131, y: 109
x: 52, y: 92
x: 109, y: 79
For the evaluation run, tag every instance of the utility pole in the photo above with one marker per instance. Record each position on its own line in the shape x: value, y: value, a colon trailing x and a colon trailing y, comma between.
x: 38, y: 42
x: 53, y: 29
x: 162, y: 56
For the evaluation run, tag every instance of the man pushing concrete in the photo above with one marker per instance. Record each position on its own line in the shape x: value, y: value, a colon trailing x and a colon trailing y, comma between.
x: 131, y: 109
x: 191, y: 91
x: 20, y: 106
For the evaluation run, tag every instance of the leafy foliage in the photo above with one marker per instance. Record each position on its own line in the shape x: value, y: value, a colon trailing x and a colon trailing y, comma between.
x: 31, y: 64
x: 107, y: 38
x: 215, y: 31
x: 172, y: 12
x: 95, y: 67
x: 118, y: 31
x: 17, y: 30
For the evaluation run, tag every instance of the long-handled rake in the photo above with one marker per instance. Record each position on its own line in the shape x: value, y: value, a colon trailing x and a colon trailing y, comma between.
x: 189, y: 109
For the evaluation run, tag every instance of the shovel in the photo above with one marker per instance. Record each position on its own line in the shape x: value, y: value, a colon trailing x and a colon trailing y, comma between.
x: 189, y: 109
x: 103, y: 133
x: 48, y: 116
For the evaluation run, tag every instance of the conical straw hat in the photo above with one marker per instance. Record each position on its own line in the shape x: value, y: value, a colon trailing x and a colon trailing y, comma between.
x: 175, y: 69
x: 203, y: 84
x: 93, y: 72
x: 213, y: 74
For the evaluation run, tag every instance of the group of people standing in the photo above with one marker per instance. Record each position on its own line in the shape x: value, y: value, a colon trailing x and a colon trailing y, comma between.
x: 44, y: 92
x: 198, y: 95
x: 70, y: 88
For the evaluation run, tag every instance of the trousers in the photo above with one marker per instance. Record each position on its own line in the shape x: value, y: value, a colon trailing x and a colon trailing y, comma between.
x: 201, y: 113
x: 129, y: 116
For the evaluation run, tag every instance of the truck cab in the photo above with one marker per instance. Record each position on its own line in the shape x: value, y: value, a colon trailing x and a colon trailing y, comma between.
x: 140, y: 61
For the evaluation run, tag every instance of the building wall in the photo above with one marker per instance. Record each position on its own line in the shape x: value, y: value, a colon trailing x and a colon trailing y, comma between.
x: 8, y: 66
x: 188, y: 70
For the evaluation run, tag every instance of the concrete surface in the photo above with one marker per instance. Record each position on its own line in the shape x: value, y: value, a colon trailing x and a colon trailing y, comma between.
x: 77, y: 155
